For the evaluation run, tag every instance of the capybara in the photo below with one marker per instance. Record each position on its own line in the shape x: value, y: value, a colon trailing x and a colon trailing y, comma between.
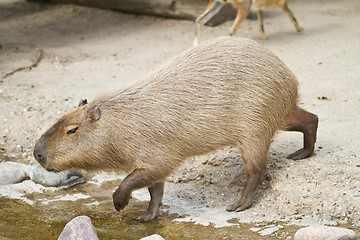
x: 224, y: 92
x: 242, y: 10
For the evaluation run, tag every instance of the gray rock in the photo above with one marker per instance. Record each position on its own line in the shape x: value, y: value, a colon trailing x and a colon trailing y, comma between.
x: 318, y: 232
x: 61, y: 179
x: 11, y: 173
x: 153, y: 237
x: 80, y: 228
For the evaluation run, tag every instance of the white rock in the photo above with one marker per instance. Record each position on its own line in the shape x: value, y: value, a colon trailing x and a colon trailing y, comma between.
x: 318, y: 232
x: 269, y: 230
x: 80, y: 228
x: 61, y: 179
x: 153, y: 237
x: 11, y: 173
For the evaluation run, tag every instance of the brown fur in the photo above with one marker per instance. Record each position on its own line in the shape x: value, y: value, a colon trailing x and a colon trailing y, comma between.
x: 242, y: 11
x: 225, y: 92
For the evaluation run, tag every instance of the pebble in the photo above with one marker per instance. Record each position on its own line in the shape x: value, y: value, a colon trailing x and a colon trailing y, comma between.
x: 318, y: 232
x: 269, y: 230
x: 266, y: 230
x: 153, y: 237
x: 61, y: 179
x: 80, y: 228
x: 11, y: 173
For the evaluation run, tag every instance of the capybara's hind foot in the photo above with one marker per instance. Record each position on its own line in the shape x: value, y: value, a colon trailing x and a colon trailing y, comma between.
x: 300, y: 154
x: 146, y: 217
x: 307, y: 123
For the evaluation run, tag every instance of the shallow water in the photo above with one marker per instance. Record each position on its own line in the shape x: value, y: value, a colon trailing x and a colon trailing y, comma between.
x: 23, y: 221
x: 53, y: 209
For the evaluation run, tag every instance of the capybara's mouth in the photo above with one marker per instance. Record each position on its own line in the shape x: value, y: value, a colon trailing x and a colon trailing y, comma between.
x: 51, y: 169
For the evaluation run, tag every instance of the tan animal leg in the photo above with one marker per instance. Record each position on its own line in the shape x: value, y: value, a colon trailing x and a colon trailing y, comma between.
x: 240, y: 15
x: 254, y: 177
x: 261, y: 21
x: 286, y: 9
x: 156, y: 194
x: 212, y: 8
x: 307, y: 123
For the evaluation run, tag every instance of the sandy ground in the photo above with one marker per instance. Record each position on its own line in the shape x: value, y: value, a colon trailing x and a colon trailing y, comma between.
x: 88, y: 51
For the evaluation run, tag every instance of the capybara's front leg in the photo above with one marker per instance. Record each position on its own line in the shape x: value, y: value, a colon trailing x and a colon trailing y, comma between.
x: 139, y: 178
x: 156, y: 194
x: 249, y: 192
x: 307, y: 123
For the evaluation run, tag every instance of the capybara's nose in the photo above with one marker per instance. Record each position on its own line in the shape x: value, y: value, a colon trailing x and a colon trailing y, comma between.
x: 39, y: 156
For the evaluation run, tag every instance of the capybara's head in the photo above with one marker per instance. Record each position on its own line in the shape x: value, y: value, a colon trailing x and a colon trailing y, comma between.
x: 68, y: 142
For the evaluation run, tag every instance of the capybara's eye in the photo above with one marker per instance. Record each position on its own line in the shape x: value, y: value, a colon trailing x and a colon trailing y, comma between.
x: 72, y: 131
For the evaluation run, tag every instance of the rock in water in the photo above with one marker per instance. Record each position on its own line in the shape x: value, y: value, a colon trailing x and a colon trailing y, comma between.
x: 80, y: 228
x: 11, y: 173
x: 324, y: 233
x: 153, y: 237
x: 61, y: 179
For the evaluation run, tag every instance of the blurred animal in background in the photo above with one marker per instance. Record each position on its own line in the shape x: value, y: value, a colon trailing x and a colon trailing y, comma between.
x: 243, y: 9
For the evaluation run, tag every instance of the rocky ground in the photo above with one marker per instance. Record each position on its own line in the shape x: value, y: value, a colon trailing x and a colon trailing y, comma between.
x: 80, y: 52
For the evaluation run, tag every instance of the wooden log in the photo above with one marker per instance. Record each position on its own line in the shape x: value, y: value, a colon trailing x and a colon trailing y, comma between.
x: 177, y: 9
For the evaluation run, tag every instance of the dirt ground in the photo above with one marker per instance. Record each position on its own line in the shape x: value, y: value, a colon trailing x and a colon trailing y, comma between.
x: 87, y: 51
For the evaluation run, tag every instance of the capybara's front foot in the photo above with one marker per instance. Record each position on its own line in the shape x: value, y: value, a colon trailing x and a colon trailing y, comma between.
x: 120, y: 199
x: 240, y: 205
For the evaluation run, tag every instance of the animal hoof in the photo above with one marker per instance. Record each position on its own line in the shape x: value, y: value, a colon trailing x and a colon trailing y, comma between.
x: 263, y: 36
x: 298, y: 28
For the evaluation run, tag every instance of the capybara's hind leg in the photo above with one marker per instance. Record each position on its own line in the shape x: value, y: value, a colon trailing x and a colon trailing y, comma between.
x: 287, y: 10
x: 307, y: 123
x: 254, y: 176
x: 156, y: 194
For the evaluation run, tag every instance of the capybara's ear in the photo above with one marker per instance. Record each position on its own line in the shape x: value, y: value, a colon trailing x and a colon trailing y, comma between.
x: 94, y: 113
x: 82, y: 102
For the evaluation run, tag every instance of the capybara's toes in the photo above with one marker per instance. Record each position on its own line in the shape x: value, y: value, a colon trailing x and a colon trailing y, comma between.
x: 240, y: 206
x: 231, y: 208
x: 145, y: 217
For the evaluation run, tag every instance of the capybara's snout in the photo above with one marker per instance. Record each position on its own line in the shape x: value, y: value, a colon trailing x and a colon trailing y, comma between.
x: 40, y: 155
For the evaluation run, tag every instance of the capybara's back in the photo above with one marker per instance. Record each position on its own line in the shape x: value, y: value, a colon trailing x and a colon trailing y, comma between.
x: 225, y: 92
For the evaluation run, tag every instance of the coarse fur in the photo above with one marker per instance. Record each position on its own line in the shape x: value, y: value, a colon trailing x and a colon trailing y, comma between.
x: 235, y: 93
x: 224, y: 92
